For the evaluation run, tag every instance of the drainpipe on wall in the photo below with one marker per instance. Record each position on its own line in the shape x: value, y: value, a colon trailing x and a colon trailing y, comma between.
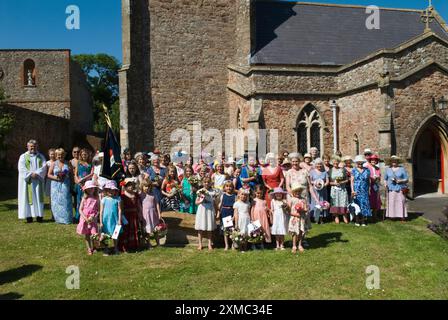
x: 334, y: 108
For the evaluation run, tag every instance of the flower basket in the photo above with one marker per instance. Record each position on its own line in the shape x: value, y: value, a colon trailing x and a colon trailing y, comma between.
x: 102, y: 238
x: 237, y: 237
x: 256, y: 236
x: 160, y: 231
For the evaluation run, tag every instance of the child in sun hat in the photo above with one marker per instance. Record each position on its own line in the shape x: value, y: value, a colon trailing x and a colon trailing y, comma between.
x: 280, y: 213
x: 110, y: 212
x: 299, y: 210
x: 88, y: 210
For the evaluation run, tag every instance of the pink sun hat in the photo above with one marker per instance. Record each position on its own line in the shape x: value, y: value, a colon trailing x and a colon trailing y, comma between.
x: 111, y: 185
x: 277, y: 190
x: 89, y: 185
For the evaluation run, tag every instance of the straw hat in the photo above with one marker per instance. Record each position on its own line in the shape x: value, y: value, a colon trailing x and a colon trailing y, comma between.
x: 277, y: 190
x: 367, y: 150
x: 394, y: 158
x: 286, y: 162
x: 347, y: 158
x: 130, y: 180
x: 230, y: 160
x: 307, y: 155
x: 297, y: 187
x: 89, y: 185
x: 359, y: 158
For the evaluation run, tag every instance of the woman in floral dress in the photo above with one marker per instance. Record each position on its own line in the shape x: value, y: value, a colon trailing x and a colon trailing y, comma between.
x: 338, y: 192
x: 61, y: 198
x: 360, y: 183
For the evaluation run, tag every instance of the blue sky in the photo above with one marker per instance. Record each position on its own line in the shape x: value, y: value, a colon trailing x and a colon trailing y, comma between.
x: 40, y: 24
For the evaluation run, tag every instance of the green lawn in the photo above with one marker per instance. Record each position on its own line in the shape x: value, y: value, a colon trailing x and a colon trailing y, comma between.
x: 413, y: 264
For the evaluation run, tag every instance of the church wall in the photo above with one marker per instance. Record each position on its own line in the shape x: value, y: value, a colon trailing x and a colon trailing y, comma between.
x: 413, y: 104
x: 192, y: 42
x: 358, y: 114
x: 282, y: 112
x: 50, y: 132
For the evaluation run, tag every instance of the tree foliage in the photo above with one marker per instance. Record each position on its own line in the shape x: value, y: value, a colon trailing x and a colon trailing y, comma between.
x: 102, y: 77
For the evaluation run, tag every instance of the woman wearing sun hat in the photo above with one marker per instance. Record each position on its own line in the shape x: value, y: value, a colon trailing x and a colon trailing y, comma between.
x: 360, y: 184
x: 375, y: 179
x: 319, y: 181
x: 338, y: 191
x: 307, y: 162
x: 396, y: 179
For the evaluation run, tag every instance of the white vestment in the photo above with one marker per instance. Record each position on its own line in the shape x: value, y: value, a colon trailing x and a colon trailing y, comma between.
x: 36, y: 209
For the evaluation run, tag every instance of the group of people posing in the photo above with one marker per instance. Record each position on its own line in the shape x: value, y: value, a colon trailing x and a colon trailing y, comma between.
x: 283, y: 193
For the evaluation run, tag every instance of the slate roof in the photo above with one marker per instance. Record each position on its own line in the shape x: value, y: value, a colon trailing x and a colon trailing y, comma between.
x: 311, y: 34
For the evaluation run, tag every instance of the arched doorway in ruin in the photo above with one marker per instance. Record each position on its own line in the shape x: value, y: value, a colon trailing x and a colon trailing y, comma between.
x: 429, y: 156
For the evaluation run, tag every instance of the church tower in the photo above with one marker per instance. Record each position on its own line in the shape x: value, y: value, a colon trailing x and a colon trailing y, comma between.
x: 136, y: 110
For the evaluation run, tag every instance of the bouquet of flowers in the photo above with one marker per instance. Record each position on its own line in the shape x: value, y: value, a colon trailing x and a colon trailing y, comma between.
x: 339, y: 179
x: 256, y: 236
x: 176, y: 188
x: 237, y: 237
x: 202, y: 193
x: 194, y: 181
x: 62, y: 174
x: 103, y: 238
x: 160, y: 231
x: 252, y: 173
x: 299, y: 207
x: 325, y: 205
x: 157, y: 178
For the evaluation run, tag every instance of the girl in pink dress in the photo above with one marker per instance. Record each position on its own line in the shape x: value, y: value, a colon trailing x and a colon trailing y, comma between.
x: 88, y: 210
x: 150, y: 208
x: 261, y: 212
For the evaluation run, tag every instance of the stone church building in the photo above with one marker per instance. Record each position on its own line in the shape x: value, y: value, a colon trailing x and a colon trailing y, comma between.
x: 315, y: 72
x: 48, y: 96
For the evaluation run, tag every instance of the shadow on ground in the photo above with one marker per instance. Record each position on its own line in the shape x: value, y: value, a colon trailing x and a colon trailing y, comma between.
x: 325, y: 239
x: 16, y: 274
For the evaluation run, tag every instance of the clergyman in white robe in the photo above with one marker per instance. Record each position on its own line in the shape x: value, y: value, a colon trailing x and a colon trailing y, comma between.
x: 31, y: 191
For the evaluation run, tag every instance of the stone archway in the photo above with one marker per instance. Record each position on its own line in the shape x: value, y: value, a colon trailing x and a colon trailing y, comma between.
x: 429, y: 156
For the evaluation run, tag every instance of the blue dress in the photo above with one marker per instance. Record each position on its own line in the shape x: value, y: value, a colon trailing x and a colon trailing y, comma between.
x: 361, y: 187
x: 110, y: 215
x: 227, y: 206
x: 61, y: 197
x: 322, y: 195
x: 400, y: 174
x: 245, y: 174
x: 82, y: 172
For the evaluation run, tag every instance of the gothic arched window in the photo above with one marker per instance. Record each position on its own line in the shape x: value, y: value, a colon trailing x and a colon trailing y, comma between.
x: 309, y: 130
x: 29, y: 73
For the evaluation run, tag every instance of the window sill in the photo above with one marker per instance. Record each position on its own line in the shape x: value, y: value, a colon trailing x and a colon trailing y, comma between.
x: 27, y: 86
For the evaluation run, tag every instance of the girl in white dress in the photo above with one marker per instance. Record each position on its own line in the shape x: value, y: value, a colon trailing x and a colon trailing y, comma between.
x: 280, y: 210
x: 206, y: 214
x: 242, y: 213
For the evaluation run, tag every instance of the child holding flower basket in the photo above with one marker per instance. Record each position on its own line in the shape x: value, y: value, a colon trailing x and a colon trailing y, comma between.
x: 205, y: 217
x: 280, y: 210
x: 150, y: 209
x: 261, y: 212
x: 88, y: 210
x: 227, y: 200
x: 110, y: 212
x: 297, y: 223
x: 241, y: 214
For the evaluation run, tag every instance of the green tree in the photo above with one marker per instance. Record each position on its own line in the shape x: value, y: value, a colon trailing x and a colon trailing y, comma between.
x: 102, y: 77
